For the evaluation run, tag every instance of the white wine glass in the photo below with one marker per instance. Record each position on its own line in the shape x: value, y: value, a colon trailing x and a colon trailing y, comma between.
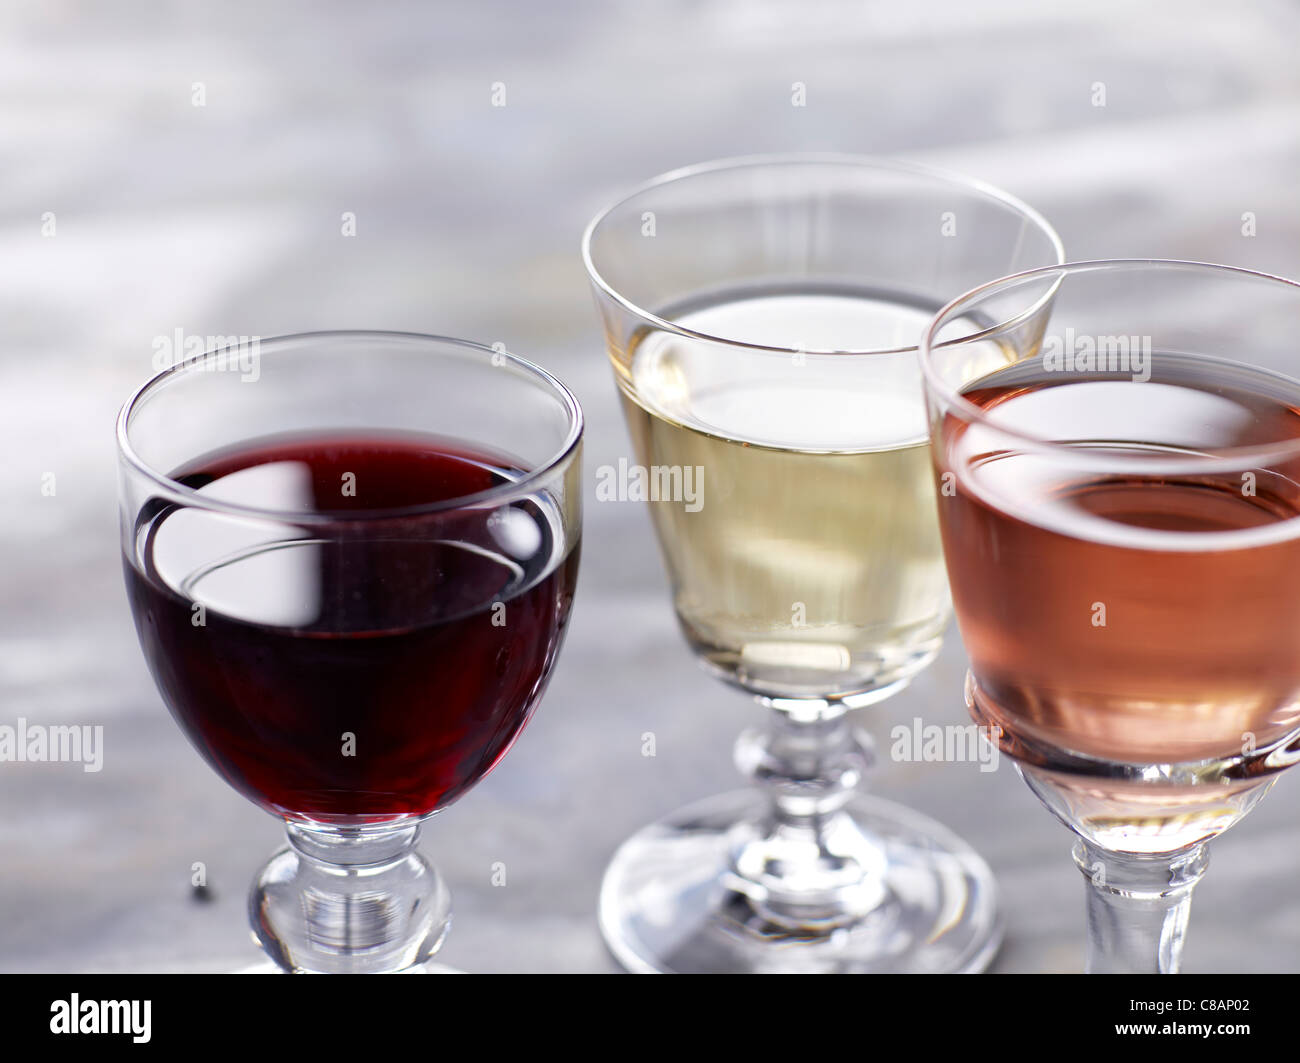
x: 762, y: 317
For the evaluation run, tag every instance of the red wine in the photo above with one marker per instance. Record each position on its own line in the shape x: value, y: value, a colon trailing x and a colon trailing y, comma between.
x: 1135, y: 595
x: 346, y: 669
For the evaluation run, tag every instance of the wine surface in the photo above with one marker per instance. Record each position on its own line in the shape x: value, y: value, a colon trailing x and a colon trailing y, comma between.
x: 1137, y: 597
x: 811, y: 564
x: 345, y: 669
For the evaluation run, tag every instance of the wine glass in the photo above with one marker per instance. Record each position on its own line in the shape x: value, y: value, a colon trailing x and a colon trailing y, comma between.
x: 762, y: 317
x: 1121, y: 521
x: 350, y: 557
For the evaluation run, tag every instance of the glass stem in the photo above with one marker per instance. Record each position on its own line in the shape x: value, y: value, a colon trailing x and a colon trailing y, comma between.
x: 349, y: 900
x: 1138, y: 907
x: 807, y: 865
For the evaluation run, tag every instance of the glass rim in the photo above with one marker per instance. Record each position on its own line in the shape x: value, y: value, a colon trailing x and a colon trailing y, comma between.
x: 951, y: 397
x: 811, y: 158
x: 175, y: 491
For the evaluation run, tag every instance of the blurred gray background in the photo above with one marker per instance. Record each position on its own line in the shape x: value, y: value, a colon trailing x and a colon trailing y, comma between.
x: 225, y: 219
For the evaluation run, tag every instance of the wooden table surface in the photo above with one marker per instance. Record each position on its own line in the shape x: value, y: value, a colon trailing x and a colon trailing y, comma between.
x: 226, y: 219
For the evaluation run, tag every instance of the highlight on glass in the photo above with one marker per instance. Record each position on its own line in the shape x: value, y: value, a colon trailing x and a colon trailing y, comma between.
x: 1120, y: 511
x: 762, y: 317
x: 351, y: 571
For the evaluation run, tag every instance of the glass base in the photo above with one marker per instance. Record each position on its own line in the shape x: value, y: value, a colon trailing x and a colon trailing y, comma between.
x: 270, y: 967
x: 666, y: 905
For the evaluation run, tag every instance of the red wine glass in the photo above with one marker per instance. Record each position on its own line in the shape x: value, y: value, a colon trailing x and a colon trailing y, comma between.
x: 1120, y: 513
x: 351, y: 557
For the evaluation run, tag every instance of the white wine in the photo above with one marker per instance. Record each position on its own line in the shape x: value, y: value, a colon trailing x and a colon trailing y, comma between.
x: 810, y: 564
